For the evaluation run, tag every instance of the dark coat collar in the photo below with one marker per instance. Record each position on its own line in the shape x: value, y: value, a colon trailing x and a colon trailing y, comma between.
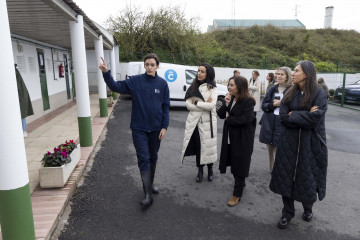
x: 190, y: 93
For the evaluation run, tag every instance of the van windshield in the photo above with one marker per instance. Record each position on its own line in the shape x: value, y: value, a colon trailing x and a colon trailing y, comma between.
x: 190, y: 76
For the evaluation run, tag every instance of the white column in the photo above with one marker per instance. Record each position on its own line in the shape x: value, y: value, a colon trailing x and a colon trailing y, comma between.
x: 99, y: 52
x: 13, y: 165
x: 81, y: 81
x: 80, y: 67
x: 15, y: 202
x: 112, y: 63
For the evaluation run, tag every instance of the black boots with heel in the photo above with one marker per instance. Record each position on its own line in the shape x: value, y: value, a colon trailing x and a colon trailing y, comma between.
x: 200, y: 174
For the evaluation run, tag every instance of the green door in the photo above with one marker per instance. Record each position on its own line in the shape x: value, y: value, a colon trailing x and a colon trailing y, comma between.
x: 66, y: 66
x: 43, y: 83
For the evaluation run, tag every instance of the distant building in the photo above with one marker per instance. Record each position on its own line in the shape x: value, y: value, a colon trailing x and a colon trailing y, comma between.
x: 223, y: 24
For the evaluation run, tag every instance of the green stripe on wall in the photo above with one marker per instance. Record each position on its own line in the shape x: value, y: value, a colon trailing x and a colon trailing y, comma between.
x: 103, y: 107
x: 16, y: 215
x: 85, y: 131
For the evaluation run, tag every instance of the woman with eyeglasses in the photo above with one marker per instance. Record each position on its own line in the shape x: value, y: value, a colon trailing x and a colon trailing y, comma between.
x: 149, y: 117
x: 300, y: 166
x: 201, y: 123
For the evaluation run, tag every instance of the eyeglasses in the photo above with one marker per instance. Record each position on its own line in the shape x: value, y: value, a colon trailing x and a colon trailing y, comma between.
x: 150, y: 64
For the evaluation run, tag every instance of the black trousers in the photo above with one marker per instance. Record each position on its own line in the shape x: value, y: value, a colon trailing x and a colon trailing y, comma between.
x: 239, y: 186
x: 288, y: 210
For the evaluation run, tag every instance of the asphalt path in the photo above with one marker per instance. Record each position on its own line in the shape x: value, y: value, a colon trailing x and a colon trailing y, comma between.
x: 106, y: 205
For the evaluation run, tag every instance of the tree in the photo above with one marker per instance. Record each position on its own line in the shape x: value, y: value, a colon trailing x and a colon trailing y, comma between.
x: 165, y: 31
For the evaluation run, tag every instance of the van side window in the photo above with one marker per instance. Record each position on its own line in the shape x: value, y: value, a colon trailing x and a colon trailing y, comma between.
x: 190, y: 76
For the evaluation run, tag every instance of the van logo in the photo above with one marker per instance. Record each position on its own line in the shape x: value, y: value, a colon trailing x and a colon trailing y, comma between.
x: 170, y: 75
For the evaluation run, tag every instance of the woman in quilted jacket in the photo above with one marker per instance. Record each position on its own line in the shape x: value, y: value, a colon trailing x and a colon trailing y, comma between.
x: 200, y: 128
x: 271, y: 128
x: 300, y: 166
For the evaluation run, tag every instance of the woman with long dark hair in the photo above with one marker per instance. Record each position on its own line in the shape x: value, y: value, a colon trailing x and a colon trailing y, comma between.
x: 238, y: 134
x: 200, y: 128
x: 300, y: 166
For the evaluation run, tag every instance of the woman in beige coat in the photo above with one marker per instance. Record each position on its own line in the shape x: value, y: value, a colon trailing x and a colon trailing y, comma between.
x: 254, y: 88
x: 200, y: 128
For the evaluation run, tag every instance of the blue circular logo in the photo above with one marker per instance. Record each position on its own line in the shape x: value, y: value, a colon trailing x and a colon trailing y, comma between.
x: 170, y: 75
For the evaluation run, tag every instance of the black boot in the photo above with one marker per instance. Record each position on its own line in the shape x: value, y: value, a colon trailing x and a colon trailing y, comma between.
x: 210, y: 172
x: 154, y: 189
x: 200, y: 174
x: 146, y: 179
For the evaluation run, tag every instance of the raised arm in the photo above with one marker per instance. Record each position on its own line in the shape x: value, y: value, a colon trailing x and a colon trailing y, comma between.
x: 120, y: 86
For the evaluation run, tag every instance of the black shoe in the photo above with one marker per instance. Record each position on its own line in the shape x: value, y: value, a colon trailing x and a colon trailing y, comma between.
x: 146, y: 179
x: 154, y: 189
x: 307, y: 216
x: 210, y: 173
x: 200, y: 174
x: 283, y: 223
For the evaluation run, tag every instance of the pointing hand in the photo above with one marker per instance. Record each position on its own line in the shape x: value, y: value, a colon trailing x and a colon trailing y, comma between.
x: 103, y: 66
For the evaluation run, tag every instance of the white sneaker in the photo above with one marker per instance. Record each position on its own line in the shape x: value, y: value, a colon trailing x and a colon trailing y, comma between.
x: 25, y: 133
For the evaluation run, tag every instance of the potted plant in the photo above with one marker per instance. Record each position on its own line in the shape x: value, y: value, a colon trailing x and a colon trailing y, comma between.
x: 57, y: 166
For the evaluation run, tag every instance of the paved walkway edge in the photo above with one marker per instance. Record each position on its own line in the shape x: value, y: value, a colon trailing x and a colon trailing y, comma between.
x: 49, y: 204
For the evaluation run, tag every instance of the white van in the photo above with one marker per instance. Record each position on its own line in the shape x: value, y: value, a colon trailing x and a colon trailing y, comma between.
x: 179, y: 78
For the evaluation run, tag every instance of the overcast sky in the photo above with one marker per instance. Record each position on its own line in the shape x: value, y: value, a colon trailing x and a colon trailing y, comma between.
x: 310, y: 12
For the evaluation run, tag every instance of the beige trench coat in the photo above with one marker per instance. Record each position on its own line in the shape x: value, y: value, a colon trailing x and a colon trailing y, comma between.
x: 254, y: 89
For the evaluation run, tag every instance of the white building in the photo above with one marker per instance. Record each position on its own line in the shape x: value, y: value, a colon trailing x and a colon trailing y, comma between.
x: 41, y: 42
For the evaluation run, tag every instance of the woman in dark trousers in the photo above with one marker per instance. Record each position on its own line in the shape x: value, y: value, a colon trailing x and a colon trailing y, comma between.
x: 149, y: 117
x: 271, y: 128
x: 201, y: 124
x: 238, y: 134
x: 300, y: 167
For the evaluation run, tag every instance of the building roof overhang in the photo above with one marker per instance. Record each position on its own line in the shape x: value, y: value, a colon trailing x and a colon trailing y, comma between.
x: 48, y: 21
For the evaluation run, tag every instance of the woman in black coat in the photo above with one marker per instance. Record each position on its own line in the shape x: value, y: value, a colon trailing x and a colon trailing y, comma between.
x: 271, y: 128
x: 300, y: 167
x: 238, y: 134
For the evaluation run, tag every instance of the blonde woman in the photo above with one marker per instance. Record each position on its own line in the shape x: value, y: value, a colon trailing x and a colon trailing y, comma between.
x: 271, y: 128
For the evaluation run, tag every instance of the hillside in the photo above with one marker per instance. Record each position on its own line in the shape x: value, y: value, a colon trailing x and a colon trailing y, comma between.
x: 175, y: 39
x: 269, y: 47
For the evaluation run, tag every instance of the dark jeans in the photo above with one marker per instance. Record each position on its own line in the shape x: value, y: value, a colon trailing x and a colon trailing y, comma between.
x: 288, y: 210
x: 147, y: 145
x: 239, y: 186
